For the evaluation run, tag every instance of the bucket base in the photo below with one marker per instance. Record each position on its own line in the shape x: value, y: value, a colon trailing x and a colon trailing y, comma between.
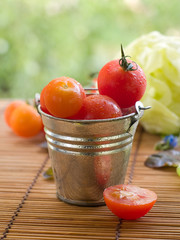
x: 81, y: 203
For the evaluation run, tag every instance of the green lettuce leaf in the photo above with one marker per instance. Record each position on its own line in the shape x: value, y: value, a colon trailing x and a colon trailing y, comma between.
x: 159, y: 57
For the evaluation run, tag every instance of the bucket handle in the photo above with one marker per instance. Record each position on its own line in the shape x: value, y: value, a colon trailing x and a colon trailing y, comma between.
x: 139, y: 107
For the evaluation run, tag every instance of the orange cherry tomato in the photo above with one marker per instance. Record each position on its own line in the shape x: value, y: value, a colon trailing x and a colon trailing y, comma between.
x: 129, y: 201
x: 64, y: 97
x: 10, y: 109
x: 25, y: 121
x: 42, y: 101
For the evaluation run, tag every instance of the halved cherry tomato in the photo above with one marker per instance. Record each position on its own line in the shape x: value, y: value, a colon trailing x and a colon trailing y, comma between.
x: 64, y: 97
x: 98, y: 107
x: 10, y: 109
x: 122, y: 80
x: 26, y: 121
x: 129, y: 201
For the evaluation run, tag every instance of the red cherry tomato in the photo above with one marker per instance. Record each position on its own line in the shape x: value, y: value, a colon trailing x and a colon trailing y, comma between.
x: 98, y: 107
x: 123, y: 80
x: 126, y: 111
x: 64, y: 97
x: 94, y: 85
x: 128, y: 201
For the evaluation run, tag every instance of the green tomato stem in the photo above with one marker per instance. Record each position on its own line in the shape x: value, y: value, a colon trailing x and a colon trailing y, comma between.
x: 124, y: 64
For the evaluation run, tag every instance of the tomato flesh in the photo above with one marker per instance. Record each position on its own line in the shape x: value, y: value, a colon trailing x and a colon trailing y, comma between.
x: 129, y: 201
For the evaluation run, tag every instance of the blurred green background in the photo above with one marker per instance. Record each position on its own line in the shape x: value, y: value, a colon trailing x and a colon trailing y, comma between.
x: 44, y: 39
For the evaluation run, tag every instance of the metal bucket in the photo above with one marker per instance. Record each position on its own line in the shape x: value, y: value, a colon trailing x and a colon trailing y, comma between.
x: 88, y: 156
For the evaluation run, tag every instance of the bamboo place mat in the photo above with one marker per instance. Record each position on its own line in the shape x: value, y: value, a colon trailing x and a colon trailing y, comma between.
x: 30, y: 210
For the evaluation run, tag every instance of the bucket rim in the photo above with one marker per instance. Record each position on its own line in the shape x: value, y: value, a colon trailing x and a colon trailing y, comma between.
x: 86, y: 121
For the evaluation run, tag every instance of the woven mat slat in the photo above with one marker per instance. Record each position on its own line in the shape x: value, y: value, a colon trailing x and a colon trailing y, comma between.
x: 42, y: 216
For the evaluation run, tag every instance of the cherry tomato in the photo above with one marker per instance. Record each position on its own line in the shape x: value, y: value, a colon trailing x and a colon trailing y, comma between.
x: 98, y: 107
x: 123, y: 80
x: 25, y: 121
x: 9, y: 110
x: 64, y: 97
x: 94, y: 85
x: 126, y: 111
x: 129, y: 201
x: 42, y: 102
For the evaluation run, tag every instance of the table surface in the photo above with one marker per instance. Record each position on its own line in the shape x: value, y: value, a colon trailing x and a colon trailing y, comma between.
x: 30, y: 210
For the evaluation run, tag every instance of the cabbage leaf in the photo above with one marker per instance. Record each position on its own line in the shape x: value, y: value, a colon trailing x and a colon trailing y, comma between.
x: 159, y: 57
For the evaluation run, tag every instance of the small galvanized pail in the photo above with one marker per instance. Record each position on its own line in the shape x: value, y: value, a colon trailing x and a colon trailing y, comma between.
x: 88, y: 156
